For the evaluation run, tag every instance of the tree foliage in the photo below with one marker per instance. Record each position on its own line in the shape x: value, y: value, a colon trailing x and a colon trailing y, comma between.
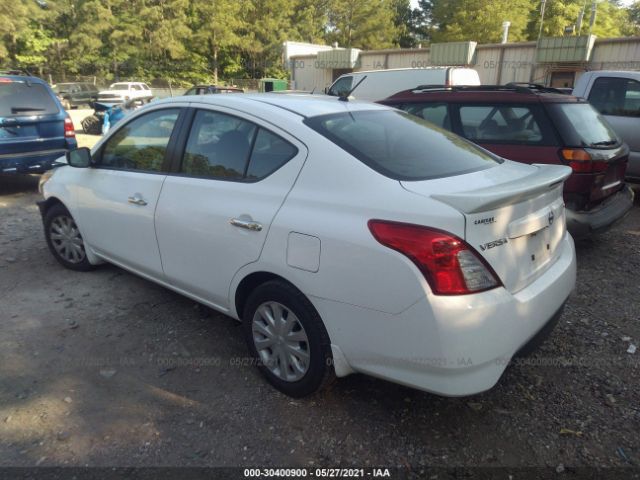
x: 203, y: 40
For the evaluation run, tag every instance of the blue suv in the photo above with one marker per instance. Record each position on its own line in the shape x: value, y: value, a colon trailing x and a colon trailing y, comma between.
x: 35, y: 129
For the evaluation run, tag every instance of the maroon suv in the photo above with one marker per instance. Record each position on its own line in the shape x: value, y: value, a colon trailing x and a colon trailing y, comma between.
x: 534, y: 124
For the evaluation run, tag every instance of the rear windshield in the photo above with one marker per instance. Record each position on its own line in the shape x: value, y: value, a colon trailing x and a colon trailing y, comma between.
x: 581, y: 125
x: 401, y: 146
x: 23, y: 98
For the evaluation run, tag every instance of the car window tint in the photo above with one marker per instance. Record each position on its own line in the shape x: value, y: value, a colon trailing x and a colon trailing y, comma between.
x: 500, y: 124
x: 18, y: 97
x: 616, y: 96
x: 401, y: 146
x: 269, y: 153
x: 142, y: 143
x: 436, y: 113
x: 218, y: 146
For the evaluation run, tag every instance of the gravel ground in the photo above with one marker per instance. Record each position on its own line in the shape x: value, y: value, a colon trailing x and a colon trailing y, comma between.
x: 107, y: 369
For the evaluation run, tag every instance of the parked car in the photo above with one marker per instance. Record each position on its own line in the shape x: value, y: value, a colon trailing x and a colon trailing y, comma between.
x: 73, y: 95
x: 34, y: 128
x: 211, y: 89
x: 346, y: 236
x: 123, y: 91
x: 616, y: 95
x: 533, y: 124
x: 377, y: 85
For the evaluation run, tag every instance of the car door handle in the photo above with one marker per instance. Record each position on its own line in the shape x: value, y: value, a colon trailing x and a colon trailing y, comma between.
x: 137, y: 200
x: 248, y: 224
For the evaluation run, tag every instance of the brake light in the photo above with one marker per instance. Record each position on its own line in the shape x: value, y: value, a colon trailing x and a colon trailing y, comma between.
x: 5, y: 80
x: 448, y: 263
x: 69, y: 130
x: 580, y: 161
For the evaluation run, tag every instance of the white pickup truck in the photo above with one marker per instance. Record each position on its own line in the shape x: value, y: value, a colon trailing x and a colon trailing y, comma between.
x: 124, y: 91
x: 616, y: 95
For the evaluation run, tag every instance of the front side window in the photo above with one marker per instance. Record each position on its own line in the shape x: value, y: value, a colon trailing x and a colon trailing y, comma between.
x: 142, y: 143
x: 616, y: 96
x: 119, y: 86
x: 222, y: 146
x: 501, y: 124
x: 401, y: 146
x: 341, y: 87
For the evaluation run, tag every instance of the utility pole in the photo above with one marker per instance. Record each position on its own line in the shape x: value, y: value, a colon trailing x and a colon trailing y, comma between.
x: 542, y: 5
x: 592, y: 21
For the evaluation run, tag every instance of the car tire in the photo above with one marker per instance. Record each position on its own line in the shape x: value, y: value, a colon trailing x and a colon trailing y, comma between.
x: 287, y: 339
x: 65, y: 240
x: 92, y: 125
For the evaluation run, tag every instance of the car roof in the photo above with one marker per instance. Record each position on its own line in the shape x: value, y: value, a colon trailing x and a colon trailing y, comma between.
x: 304, y: 105
x: 483, y: 94
x: 24, y: 78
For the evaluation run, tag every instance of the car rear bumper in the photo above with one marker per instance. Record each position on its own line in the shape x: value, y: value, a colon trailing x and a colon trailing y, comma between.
x: 614, y: 208
x: 31, y: 162
x: 455, y: 345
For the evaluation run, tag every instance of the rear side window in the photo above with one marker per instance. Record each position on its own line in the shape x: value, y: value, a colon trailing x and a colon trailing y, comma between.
x: 222, y: 146
x: 218, y: 146
x: 23, y: 98
x: 142, y: 143
x: 436, y: 113
x: 616, y: 96
x: 503, y: 124
x: 401, y: 146
x: 269, y: 153
x: 582, y: 126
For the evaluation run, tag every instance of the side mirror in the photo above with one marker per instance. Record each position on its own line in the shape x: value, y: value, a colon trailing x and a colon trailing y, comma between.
x: 326, y: 90
x: 79, y: 158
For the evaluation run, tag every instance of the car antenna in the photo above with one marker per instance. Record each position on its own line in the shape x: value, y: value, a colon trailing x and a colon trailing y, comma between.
x: 345, y: 97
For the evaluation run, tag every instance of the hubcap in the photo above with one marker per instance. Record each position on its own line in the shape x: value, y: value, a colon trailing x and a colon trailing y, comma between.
x: 281, y: 341
x: 66, y: 239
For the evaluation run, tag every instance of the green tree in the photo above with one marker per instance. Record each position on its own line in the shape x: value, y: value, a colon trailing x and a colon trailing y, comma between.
x: 216, y: 25
x: 362, y: 24
x: 479, y: 20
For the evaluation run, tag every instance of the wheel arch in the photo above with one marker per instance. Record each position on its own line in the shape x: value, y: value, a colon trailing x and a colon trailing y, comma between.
x: 249, y: 283
x: 45, y: 205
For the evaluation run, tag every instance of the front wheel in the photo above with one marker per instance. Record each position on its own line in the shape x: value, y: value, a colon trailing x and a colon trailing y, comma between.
x: 64, y: 239
x: 287, y: 339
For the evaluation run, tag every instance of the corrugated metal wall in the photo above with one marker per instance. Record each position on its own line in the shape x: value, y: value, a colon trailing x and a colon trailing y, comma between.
x: 495, y: 63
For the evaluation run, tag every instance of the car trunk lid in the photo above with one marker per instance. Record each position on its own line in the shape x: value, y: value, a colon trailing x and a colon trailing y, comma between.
x: 514, y: 217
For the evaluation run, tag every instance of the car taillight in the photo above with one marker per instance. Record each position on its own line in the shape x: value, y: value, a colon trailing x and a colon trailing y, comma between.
x: 69, y: 130
x: 448, y: 263
x: 581, y: 162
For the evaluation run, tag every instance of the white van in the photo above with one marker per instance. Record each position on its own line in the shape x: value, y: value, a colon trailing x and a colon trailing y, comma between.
x: 380, y: 84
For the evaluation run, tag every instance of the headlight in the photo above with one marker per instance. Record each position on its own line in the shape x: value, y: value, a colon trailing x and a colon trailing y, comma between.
x: 44, y: 178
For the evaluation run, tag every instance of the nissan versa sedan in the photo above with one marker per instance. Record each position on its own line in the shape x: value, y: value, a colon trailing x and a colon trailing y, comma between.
x: 346, y: 237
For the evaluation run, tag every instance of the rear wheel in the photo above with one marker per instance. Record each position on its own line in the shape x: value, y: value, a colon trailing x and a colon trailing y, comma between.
x: 64, y: 239
x: 287, y: 339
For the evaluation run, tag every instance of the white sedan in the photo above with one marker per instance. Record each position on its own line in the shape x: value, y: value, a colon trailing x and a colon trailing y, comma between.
x: 347, y: 237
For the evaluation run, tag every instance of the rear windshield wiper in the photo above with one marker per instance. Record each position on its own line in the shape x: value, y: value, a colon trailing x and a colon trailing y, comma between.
x: 604, y: 143
x: 26, y: 109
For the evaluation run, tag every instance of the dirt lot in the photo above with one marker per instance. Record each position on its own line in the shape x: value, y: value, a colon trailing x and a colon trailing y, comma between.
x: 107, y: 369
